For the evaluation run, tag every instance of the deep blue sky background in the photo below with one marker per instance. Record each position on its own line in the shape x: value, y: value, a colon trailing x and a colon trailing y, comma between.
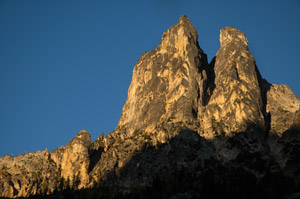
x: 67, y: 65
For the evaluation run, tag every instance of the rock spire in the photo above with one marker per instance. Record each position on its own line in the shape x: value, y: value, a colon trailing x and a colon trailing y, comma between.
x: 189, y: 129
x: 164, y: 86
x: 236, y: 102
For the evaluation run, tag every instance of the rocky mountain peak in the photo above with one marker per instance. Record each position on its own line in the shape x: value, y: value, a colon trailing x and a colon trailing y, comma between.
x: 83, y: 136
x: 236, y: 101
x: 284, y: 108
x: 164, y: 85
x: 231, y: 35
x: 188, y: 129
x: 179, y: 37
x: 184, y: 19
x: 75, y: 159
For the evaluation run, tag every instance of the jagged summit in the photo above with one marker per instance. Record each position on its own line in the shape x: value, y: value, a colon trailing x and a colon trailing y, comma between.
x: 236, y: 102
x: 83, y: 134
x: 174, y: 83
x: 179, y: 35
x: 164, y: 85
x: 231, y: 34
x: 188, y: 129
x: 184, y: 19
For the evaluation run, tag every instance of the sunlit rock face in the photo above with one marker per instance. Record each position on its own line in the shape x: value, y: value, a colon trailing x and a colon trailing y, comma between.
x: 75, y: 160
x: 236, y: 100
x: 28, y: 174
x: 164, y: 86
x: 284, y: 108
x: 188, y: 129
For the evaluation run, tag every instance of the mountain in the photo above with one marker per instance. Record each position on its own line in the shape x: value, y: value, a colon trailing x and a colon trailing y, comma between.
x: 189, y: 129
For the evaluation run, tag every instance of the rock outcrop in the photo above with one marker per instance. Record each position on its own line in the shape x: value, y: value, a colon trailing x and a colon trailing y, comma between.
x: 75, y: 160
x: 44, y: 172
x: 28, y: 174
x: 164, y: 86
x: 284, y: 108
x: 235, y: 103
x: 189, y: 129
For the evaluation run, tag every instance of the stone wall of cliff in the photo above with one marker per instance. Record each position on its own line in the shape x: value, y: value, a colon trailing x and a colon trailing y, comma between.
x: 188, y: 129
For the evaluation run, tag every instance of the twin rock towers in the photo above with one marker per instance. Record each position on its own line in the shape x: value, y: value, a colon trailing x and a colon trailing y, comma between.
x: 189, y: 129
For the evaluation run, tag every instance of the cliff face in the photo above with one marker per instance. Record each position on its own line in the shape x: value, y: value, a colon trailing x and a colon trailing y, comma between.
x: 164, y: 85
x: 189, y: 129
x: 236, y: 100
x: 43, y: 172
x: 283, y: 106
x: 27, y: 174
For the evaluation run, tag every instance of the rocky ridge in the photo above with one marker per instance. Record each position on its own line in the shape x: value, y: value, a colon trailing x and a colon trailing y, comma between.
x: 189, y: 129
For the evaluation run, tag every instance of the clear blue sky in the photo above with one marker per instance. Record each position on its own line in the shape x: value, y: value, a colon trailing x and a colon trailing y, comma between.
x: 67, y: 65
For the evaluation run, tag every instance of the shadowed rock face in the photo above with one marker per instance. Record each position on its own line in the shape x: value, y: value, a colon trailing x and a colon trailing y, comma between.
x: 188, y: 129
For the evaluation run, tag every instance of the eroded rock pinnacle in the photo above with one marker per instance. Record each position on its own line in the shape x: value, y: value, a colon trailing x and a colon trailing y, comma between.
x: 188, y: 129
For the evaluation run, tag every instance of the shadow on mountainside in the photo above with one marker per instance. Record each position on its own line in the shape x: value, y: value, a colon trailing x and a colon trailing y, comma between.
x: 188, y: 166
x: 95, y: 156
